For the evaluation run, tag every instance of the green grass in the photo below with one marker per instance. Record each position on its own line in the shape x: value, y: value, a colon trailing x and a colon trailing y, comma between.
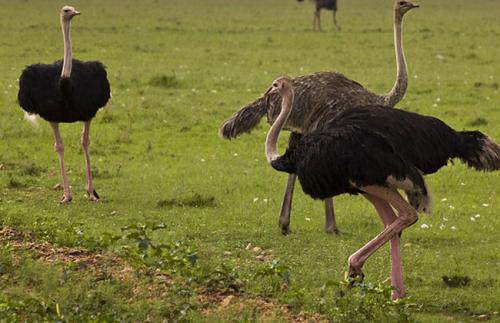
x: 178, y: 69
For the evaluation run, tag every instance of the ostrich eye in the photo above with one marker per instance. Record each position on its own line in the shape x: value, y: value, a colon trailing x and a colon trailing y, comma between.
x: 275, y: 84
x: 401, y: 3
x: 66, y: 10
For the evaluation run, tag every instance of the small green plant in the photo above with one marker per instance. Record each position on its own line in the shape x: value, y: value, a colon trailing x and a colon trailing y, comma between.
x: 30, y: 169
x: 223, y: 278
x: 165, y: 81
x: 173, y: 257
x: 277, y: 276
x: 362, y: 302
x: 456, y: 280
x: 196, y: 200
x: 14, y: 183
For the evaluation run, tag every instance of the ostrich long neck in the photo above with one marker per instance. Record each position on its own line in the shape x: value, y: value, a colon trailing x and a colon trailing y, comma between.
x: 273, y: 134
x: 398, y: 90
x: 68, y: 59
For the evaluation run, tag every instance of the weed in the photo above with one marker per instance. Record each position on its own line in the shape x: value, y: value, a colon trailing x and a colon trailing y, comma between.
x: 223, y: 279
x: 165, y: 81
x: 362, y: 302
x: 478, y: 122
x: 277, y: 276
x: 173, y: 257
x: 30, y: 169
x: 456, y: 280
x: 196, y: 200
x: 14, y: 183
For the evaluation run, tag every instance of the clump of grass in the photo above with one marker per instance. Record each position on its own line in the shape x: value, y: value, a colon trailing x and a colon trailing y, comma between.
x: 31, y: 169
x: 165, y: 81
x: 14, y: 183
x: 456, y: 280
x: 478, y: 122
x: 107, y: 118
x: 362, y: 302
x: 196, y: 200
x: 493, y: 85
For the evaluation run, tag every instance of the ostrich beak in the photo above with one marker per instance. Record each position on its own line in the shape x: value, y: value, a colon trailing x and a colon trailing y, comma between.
x: 76, y: 13
x: 414, y: 5
x: 268, y: 91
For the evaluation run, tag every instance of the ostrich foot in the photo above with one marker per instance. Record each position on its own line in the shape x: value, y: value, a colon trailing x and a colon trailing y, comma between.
x: 334, y: 231
x: 354, y: 274
x: 93, y: 196
x: 285, y: 228
x: 66, y: 199
x: 397, y: 294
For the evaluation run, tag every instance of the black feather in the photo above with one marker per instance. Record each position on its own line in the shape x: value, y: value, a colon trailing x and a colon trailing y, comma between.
x: 43, y: 91
x: 365, y: 145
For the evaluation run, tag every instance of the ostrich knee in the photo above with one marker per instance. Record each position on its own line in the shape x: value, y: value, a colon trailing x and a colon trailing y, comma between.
x: 59, y: 147
x: 408, y: 217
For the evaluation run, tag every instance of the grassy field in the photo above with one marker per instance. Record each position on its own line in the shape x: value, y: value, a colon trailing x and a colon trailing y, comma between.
x: 178, y: 69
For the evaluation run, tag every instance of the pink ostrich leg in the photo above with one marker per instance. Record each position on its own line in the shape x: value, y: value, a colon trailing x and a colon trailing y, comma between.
x: 387, y: 216
x: 59, y: 147
x: 407, y: 216
x: 92, y: 194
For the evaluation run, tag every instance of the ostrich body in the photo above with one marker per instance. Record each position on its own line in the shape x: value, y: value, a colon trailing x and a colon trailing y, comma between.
x: 66, y: 91
x: 327, y: 5
x: 319, y: 98
x: 374, y: 151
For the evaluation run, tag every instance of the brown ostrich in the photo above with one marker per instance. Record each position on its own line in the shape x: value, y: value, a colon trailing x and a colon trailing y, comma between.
x: 319, y: 98
x: 324, y: 4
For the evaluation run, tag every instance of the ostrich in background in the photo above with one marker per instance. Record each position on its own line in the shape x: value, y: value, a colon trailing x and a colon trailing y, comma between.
x: 374, y: 151
x: 66, y: 91
x: 324, y: 4
x: 319, y: 97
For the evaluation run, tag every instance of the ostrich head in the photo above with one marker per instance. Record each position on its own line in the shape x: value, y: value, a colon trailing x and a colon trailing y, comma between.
x: 281, y: 85
x: 68, y: 12
x: 402, y: 7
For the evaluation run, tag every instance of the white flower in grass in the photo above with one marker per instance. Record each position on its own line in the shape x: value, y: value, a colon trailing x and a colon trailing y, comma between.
x: 308, y: 219
x: 485, y: 204
x: 451, y: 207
x: 453, y: 228
x: 424, y: 226
x: 235, y: 154
x: 255, y: 199
x: 202, y: 160
x: 445, y: 219
x: 265, y: 200
x: 462, y: 184
x: 472, y: 218
x: 442, y: 226
x: 444, y: 199
x: 477, y: 216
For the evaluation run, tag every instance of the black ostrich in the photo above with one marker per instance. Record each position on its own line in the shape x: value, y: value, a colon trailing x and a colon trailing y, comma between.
x: 324, y: 4
x: 374, y: 151
x: 66, y: 91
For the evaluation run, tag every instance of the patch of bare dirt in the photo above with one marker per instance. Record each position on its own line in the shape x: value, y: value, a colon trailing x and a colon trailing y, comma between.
x: 100, y: 265
x: 268, y: 310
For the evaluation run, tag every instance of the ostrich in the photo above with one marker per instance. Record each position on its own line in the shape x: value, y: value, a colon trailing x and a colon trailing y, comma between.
x: 374, y: 151
x: 324, y: 4
x: 66, y: 91
x: 319, y: 97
